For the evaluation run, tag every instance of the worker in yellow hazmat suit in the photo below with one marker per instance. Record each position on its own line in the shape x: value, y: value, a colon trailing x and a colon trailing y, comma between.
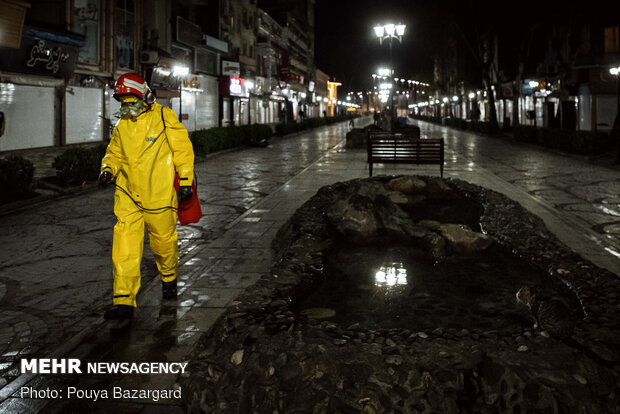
x: 147, y: 147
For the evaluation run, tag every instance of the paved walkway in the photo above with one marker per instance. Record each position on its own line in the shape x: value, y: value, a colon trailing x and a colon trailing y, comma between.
x: 55, y: 264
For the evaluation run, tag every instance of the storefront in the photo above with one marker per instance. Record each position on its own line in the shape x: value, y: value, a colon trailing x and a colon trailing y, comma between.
x: 235, y: 101
x: 33, y: 87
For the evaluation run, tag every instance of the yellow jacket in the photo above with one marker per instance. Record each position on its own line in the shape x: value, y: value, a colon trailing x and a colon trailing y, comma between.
x: 144, y: 157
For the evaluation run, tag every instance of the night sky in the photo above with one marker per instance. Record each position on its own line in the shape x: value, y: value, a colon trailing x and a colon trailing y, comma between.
x: 346, y: 47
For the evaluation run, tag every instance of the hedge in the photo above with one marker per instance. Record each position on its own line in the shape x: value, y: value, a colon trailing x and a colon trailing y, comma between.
x: 579, y: 142
x: 78, y: 164
x: 16, y: 174
x: 291, y: 127
x: 478, y: 126
x: 214, y: 139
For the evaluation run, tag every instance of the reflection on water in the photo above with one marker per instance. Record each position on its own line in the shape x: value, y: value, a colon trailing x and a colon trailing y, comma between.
x: 391, y: 275
x: 384, y: 287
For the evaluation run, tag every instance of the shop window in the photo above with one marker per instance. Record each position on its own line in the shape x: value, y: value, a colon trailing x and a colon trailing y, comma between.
x: 86, y: 15
x: 125, y: 33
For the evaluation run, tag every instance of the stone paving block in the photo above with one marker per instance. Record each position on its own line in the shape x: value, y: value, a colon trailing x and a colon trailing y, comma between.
x: 226, y: 280
x: 177, y: 318
x: 23, y: 405
x: 219, y: 297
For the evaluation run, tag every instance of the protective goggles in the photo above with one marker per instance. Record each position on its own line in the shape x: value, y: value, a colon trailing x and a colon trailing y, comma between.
x: 128, y: 98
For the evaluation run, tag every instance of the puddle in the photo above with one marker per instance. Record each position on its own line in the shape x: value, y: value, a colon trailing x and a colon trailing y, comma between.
x: 396, y: 287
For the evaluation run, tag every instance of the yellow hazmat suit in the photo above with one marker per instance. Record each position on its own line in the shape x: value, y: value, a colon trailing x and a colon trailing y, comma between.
x: 144, y: 157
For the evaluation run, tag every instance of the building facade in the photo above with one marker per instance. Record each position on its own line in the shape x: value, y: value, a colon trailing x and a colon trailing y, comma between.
x: 215, y: 63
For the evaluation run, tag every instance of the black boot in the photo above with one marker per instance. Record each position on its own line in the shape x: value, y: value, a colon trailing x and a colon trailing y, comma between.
x: 169, y: 289
x: 119, y: 313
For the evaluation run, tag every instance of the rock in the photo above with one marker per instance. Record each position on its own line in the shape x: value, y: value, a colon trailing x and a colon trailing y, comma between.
x: 580, y: 379
x: 398, y: 197
x: 394, y: 360
x: 435, y: 245
x: 318, y: 313
x: 370, y: 189
x: 461, y: 240
x: 437, y: 185
x: 491, y: 398
x: 237, y: 357
x: 422, y: 335
x: 522, y: 348
x: 355, y: 219
x: 406, y: 184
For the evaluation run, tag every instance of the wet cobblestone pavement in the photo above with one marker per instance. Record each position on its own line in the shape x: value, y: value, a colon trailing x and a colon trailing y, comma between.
x: 55, y: 267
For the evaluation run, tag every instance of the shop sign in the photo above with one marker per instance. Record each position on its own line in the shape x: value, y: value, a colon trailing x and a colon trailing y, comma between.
x: 40, y: 57
x: 230, y: 68
x: 233, y: 86
x: 47, y: 58
x: 237, y: 86
x: 191, y: 83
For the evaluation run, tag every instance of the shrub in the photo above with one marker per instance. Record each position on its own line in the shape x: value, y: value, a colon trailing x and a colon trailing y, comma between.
x: 526, y: 133
x: 579, y: 142
x: 256, y: 133
x: 78, y: 164
x: 457, y: 123
x: 289, y: 128
x: 214, y: 139
x: 16, y: 175
x: 483, y: 126
x: 209, y: 140
x: 586, y: 142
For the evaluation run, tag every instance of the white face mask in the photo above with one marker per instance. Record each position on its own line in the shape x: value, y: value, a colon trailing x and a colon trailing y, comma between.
x: 132, y: 109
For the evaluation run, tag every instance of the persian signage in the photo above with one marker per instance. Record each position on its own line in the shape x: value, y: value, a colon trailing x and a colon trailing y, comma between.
x: 47, y: 58
x: 39, y: 56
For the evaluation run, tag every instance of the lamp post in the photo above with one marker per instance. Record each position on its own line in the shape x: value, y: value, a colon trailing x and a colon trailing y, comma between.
x: 616, y: 127
x: 179, y: 72
x: 390, y: 31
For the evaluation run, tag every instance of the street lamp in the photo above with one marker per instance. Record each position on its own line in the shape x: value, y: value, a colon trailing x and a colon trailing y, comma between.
x: 616, y: 128
x: 179, y: 71
x: 390, y: 31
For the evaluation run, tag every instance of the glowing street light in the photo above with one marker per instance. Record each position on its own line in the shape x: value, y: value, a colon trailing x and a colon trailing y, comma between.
x: 390, y: 31
x: 179, y: 71
x: 616, y: 127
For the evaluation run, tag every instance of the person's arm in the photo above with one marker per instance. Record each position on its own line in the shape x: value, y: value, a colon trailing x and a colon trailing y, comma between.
x: 111, y: 161
x: 181, y: 146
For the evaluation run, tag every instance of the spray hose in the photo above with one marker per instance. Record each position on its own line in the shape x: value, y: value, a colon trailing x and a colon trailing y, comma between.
x: 148, y: 210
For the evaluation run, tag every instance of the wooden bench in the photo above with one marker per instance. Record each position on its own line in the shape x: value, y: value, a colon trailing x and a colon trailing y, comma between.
x: 399, y: 149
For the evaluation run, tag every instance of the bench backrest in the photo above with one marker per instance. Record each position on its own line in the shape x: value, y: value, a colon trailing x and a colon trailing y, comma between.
x: 401, y: 148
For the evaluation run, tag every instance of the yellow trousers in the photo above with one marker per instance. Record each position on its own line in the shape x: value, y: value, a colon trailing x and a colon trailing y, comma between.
x: 127, y: 248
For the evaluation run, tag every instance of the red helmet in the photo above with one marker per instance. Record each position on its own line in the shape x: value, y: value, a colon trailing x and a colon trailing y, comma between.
x: 131, y: 84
